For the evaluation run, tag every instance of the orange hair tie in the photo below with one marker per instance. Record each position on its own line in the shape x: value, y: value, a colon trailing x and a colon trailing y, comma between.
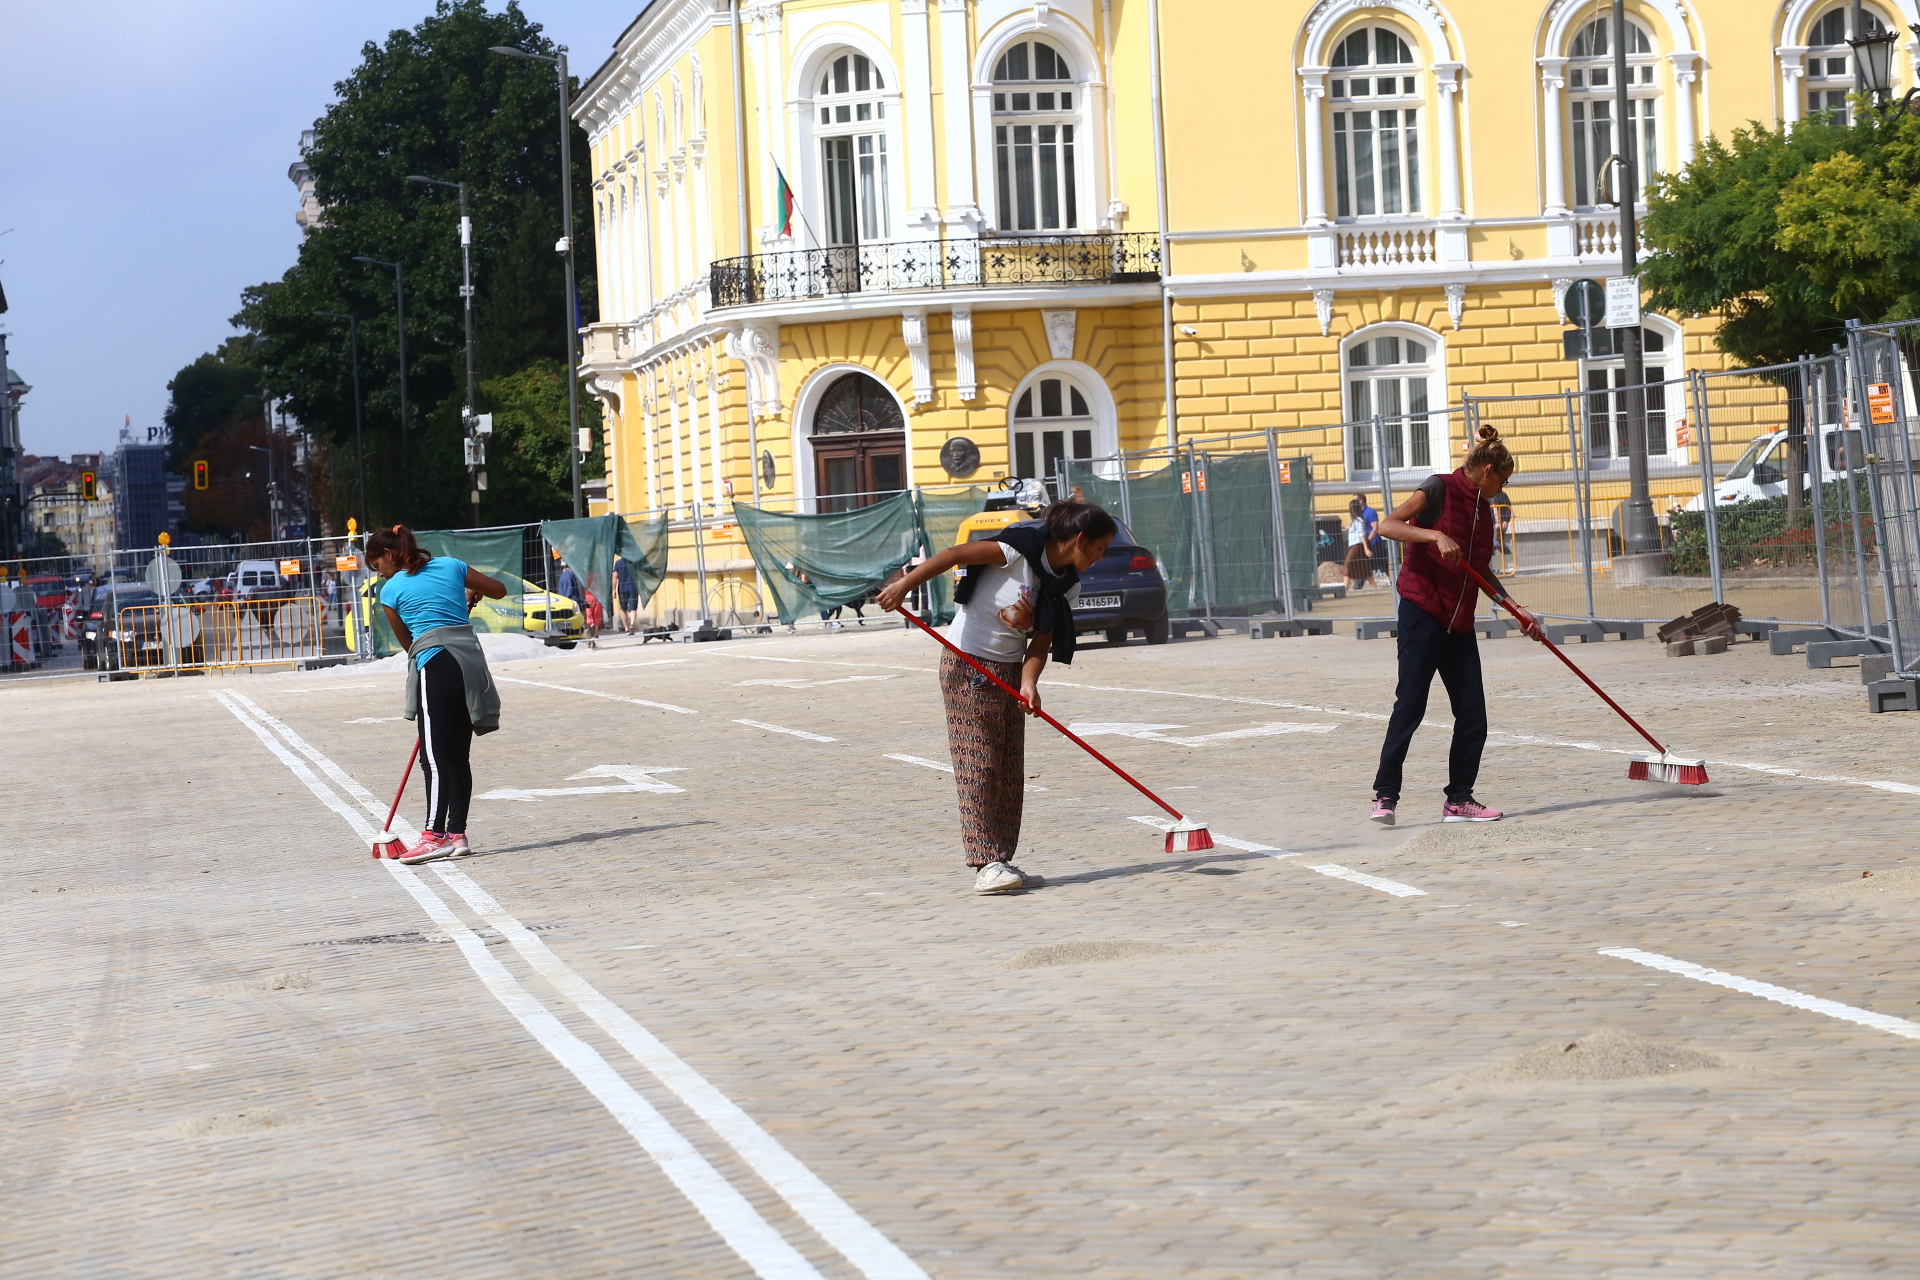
x: 396, y: 528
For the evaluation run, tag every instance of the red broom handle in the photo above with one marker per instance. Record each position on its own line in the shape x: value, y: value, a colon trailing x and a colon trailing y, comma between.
x: 404, y: 775
x: 1555, y: 650
x: 1015, y: 694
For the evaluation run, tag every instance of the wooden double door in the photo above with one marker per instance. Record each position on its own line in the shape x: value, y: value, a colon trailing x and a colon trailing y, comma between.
x: 858, y: 469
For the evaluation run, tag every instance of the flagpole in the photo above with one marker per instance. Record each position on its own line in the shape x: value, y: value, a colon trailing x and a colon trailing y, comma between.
x: 781, y: 178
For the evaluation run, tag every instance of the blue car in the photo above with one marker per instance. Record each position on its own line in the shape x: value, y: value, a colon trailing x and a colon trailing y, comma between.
x: 1123, y: 592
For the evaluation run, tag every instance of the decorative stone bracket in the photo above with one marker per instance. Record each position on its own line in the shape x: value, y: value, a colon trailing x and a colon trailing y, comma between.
x: 913, y: 331
x: 756, y: 344
x: 963, y: 354
x: 1060, y: 327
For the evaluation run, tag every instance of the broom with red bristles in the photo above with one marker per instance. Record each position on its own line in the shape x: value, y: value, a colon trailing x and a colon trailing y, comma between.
x: 387, y: 844
x: 1642, y: 766
x: 1185, y: 836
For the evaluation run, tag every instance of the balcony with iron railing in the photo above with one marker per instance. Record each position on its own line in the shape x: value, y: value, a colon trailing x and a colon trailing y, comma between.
x: 908, y: 266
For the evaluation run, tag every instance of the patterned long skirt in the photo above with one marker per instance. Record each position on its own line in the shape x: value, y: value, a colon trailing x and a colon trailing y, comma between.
x: 987, y: 734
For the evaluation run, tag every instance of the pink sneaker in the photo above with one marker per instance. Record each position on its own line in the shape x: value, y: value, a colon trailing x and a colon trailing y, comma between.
x: 1383, y: 810
x: 1468, y: 811
x: 432, y: 847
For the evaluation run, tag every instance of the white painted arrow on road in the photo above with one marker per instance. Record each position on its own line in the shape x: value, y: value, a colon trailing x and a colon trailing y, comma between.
x: 637, y: 777
x: 1152, y: 732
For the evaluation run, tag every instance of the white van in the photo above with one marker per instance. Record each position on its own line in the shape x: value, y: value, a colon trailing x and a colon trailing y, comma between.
x: 254, y: 577
x: 1761, y: 471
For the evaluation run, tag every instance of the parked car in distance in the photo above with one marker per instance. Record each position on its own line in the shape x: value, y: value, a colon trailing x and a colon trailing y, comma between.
x: 1761, y: 471
x: 253, y: 579
x: 538, y: 612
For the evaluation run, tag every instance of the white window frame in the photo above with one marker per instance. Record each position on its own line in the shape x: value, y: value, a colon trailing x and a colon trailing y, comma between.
x: 859, y: 117
x: 1672, y: 361
x: 1090, y: 100
x: 1070, y: 154
x: 1817, y: 66
x: 1411, y: 164
x: 1435, y: 366
x: 1589, y: 96
x: 808, y: 174
x: 1104, y: 416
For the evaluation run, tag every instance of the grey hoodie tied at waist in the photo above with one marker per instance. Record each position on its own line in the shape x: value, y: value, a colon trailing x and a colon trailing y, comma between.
x: 483, y: 700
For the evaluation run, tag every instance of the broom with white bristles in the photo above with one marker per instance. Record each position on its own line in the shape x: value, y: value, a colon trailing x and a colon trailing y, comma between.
x: 1184, y: 836
x: 1643, y: 766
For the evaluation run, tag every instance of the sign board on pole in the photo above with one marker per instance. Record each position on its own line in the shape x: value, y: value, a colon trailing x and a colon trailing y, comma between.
x: 1880, y: 403
x: 1623, y: 302
x: 163, y: 575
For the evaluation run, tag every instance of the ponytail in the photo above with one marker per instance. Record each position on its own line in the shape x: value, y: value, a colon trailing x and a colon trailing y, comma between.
x: 1491, y: 451
x: 397, y: 542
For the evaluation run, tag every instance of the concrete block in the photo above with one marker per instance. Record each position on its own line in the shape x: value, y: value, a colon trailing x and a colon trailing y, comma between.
x: 1375, y: 628
x: 1902, y: 694
x: 1588, y: 632
x: 1875, y: 667
x: 1493, y: 628
x: 1268, y: 628
x: 1181, y: 628
x: 1710, y: 645
x: 1625, y: 630
x: 1821, y: 653
x: 1781, y: 642
x: 1747, y: 627
x: 1679, y: 648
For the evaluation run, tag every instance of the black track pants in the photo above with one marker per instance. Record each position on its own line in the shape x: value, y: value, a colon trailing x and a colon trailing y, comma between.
x: 1427, y: 648
x: 446, y: 744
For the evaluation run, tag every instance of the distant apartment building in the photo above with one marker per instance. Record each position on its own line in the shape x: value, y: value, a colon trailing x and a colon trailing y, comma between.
x: 55, y: 496
x: 308, y: 214
x: 146, y: 497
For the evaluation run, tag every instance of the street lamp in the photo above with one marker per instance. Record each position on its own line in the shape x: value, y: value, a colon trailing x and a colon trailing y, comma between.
x: 1642, y: 526
x: 466, y: 295
x: 359, y: 440
x: 400, y: 328
x: 565, y: 246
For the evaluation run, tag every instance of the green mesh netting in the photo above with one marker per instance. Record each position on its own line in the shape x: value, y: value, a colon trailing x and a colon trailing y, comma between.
x: 590, y: 545
x: 940, y: 517
x: 1210, y: 521
x: 811, y: 563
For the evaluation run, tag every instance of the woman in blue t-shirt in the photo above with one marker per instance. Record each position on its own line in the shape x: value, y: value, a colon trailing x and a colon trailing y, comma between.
x: 422, y: 594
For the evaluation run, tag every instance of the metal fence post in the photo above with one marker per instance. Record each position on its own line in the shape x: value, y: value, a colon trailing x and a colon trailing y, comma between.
x: 1816, y: 470
x: 1581, y: 504
x: 1126, y: 492
x: 1856, y: 351
x: 1282, y: 565
x: 1383, y: 468
x: 1202, y: 531
x: 1907, y: 562
x: 1708, y: 507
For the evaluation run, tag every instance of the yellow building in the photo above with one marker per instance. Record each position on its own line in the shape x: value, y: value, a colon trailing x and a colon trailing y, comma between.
x: 1002, y: 236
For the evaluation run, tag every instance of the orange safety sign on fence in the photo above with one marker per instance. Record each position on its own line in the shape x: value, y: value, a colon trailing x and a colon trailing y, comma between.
x: 1880, y: 403
x: 1286, y: 472
x: 346, y: 564
x: 289, y: 568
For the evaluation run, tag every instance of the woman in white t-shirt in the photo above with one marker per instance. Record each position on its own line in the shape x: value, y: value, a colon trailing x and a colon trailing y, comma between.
x: 1013, y: 610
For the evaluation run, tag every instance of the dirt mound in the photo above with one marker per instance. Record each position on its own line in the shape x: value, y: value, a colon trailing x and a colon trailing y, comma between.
x: 1455, y: 840
x: 1604, y: 1055
x: 1063, y: 953
x: 1896, y: 886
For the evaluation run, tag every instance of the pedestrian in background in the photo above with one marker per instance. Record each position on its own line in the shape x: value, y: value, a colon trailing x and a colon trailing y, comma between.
x: 626, y: 594
x: 1362, y: 521
x: 595, y: 618
x: 1012, y: 611
x: 1446, y: 521
x: 572, y: 588
x: 450, y: 692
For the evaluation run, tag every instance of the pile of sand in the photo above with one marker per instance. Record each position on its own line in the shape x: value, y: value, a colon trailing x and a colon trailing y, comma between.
x: 1454, y: 841
x: 1891, y: 887
x: 1604, y: 1055
x: 1061, y: 953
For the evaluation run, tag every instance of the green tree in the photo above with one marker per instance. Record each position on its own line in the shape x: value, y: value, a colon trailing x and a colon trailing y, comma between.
x: 529, y: 469
x: 430, y: 100
x: 1853, y: 221
x: 214, y: 415
x: 215, y: 391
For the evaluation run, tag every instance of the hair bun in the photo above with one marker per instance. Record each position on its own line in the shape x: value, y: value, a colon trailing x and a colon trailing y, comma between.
x: 396, y: 528
x: 1489, y: 434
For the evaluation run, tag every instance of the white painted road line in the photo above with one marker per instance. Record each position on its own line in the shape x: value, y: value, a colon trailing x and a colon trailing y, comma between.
x: 595, y: 693
x: 793, y: 733
x: 636, y: 777
x: 923, y: 763
x: 731, y: 1216
x: 1339, y: 872
x: 1159, y: 823
x: 1151, y: 732
x: 1767, y: 991
x: 812, y: 1199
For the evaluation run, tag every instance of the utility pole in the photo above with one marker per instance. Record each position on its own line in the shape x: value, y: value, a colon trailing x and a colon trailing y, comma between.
x: 565, y: 248
x: 476, y: 457
x: 1642, y: 529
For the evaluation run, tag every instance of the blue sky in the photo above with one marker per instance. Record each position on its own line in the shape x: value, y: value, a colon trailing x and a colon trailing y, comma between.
x: 144, y: 147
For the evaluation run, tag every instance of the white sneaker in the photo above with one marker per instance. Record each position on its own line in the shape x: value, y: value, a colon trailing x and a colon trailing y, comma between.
x: 998, y: 877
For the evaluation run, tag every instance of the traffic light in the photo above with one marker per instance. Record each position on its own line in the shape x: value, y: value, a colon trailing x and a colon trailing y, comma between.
x: 199, y: 475
x: 89, y: 488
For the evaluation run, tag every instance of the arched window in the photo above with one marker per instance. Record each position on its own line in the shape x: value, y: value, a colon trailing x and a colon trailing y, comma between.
x: 1829, y: 64
x: 1591, y: 101
x: 1034, y: 119
x: 1390, y: 373
x: 852, y: 109
x: 1605, y: 373
x: 1376, y: 125
x: 1052, y: 419
x: 859, y: 444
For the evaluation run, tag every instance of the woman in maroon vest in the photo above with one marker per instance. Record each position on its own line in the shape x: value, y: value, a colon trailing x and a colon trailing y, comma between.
x: 1446, y: 520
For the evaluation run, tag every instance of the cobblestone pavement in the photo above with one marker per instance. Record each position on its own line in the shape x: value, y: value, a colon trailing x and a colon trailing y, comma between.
x: 731, y: 1006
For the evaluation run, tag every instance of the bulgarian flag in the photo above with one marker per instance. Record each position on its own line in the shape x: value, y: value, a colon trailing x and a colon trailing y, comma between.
x: 783, y: 202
